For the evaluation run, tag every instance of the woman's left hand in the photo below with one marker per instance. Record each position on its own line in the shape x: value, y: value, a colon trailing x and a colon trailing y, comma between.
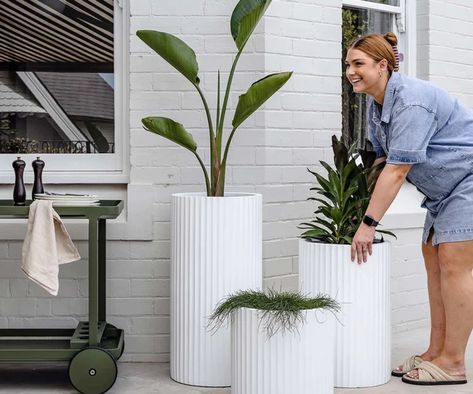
x: 362, y: 243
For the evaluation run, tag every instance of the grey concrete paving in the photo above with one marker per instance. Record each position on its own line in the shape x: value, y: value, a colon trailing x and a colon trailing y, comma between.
x: 150, y: 378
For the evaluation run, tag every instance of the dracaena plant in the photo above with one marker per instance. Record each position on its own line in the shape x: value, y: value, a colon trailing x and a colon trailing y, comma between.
x: 343, y: 195
x: 244, y: 20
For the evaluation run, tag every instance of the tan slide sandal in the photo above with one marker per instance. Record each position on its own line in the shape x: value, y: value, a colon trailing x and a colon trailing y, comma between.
x: 411, y: 363
x: 431, y: 375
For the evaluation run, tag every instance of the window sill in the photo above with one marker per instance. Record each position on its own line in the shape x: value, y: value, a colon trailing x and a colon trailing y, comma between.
x: 405, y: 211
x: 69, y: 177
x: 134, y: 224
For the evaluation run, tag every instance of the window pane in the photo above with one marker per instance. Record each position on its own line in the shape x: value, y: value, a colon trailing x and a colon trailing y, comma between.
x: 387, y: 2
x: 56, y: 77
x: 358, y: 22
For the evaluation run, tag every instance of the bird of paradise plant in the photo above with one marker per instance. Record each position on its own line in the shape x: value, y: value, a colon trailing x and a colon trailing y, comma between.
x: 244, y: 19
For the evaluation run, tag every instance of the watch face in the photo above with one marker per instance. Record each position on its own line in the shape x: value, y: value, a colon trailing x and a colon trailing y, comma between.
x: 369, y: 221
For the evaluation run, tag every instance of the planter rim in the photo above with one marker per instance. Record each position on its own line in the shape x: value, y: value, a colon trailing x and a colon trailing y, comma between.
x: 263, y: 310
x: 306, y: 315
x: 341, y: 245
x: 204, y: 195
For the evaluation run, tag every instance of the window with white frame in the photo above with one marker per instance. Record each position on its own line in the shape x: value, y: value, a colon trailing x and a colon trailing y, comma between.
x: 361, y: 17
x: 62, y: 83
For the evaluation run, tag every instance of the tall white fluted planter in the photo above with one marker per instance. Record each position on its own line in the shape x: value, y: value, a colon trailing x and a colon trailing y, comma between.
x: 288, y: 362
x: 363, y: 335
x: 216, y: 250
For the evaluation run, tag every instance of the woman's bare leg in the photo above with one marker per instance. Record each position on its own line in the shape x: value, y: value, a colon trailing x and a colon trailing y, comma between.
x: 437, y: 312
x: 456, y: 266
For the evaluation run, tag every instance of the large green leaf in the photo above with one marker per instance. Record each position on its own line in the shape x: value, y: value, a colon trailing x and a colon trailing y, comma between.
x: 315, y: 232
x: 368, y: 158
x: 324, y: 202
x: 245, y: 17
x: 175, y: 51
x: 340, y: 153
x: 347, y: 239
x: 386, y: 232
x: 324, y: 183
x: 329, y: 169
x: 257, y: 94
x: 326, y: 223
x: 171, y: 130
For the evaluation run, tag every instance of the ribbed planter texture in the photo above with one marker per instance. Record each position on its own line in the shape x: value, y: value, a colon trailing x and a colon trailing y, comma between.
x: 363, y: 335
x: 216, y: 250
x: 286, y: 363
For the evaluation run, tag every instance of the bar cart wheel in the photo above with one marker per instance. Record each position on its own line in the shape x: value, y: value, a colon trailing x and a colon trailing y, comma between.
x: 92, y: 371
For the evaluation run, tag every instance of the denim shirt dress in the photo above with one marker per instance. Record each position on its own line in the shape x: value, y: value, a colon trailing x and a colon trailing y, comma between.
x: 421, y: 124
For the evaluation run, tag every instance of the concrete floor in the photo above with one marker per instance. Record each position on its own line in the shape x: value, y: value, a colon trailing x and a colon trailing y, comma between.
x: 154, y: 378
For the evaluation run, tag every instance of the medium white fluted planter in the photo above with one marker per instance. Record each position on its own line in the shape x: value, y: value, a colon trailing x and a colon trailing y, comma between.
x: 286, y: 363
x: 363, y: 335
x: 216, y: 250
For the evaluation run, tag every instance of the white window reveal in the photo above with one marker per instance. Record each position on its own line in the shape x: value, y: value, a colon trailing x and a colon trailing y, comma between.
x: 381, y: 16
x: 63, y: 82
x: 377, y: 16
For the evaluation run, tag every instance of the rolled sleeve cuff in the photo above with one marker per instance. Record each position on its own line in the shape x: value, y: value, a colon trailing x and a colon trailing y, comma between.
x: 397, y: 156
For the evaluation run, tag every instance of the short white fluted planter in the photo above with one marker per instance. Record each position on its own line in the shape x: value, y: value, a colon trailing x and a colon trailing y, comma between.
x: 216, y: 250
x: 286, y: 363
x: 363, y: 335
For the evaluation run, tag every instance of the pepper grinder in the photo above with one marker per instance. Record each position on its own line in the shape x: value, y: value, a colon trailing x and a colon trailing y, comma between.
x: 19, y: 192
x: 38, y: 166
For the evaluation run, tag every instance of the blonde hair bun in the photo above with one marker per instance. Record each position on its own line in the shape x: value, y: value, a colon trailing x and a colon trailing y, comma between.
x: 391, y: 38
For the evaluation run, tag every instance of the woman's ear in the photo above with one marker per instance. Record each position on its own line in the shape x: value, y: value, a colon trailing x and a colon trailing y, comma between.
x: 383, y: 64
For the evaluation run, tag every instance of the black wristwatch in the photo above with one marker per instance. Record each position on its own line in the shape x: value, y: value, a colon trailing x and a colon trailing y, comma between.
x: 369, y: 221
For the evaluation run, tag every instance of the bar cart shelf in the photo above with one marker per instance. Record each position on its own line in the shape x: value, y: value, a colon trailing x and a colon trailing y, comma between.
x: 94, y: 346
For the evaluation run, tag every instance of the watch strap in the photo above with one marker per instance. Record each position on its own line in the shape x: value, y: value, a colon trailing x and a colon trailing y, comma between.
x: 369, y: 221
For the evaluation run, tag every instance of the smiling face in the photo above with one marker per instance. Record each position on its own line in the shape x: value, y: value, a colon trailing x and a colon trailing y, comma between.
x: 363, y: 72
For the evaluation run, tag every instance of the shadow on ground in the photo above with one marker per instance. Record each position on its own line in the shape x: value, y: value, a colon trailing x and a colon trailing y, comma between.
x: 47, y: 378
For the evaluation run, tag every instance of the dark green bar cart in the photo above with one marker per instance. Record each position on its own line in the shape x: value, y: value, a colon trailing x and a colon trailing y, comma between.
x: 93, y: 347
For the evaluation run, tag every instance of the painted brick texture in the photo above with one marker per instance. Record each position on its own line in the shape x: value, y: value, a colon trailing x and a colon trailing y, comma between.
x: 270, y: 155
x: 451, y: 47
x: 299, y: 123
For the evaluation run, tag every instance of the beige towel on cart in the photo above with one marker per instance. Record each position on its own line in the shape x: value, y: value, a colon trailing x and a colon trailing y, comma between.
x: 46, y: 246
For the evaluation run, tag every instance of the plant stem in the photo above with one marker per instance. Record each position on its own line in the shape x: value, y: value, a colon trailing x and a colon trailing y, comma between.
x: 214, y: 155
x: 220, y: 184
x: 207, y: 112
x: 218, y: 100
x: 227, y: 146
x: 225, y: 101
x: 206, y: 175
x: 221, y: 178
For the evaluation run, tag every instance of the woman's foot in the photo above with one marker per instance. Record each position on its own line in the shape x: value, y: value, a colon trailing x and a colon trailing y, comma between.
x: 413, y: 362
x: 452, y: 368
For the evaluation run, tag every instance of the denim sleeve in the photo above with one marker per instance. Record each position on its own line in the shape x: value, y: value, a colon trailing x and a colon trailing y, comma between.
x: 374, y: 141
x: 410, y: 132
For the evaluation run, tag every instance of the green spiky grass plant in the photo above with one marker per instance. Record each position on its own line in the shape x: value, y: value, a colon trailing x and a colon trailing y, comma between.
x: 343, y: 196
x: 280, y: 310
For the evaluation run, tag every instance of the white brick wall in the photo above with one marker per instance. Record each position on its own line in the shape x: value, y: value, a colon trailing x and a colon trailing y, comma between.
x: 270, y: 155
x: 450, y: 46
x: 299, y: 124
x: 408, y: 281
x: 423, y: 39
x: 445, y: 57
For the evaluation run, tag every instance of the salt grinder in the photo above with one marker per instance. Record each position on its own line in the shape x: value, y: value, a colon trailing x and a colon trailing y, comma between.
x: 38, y: 188
x: 19, y: 192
